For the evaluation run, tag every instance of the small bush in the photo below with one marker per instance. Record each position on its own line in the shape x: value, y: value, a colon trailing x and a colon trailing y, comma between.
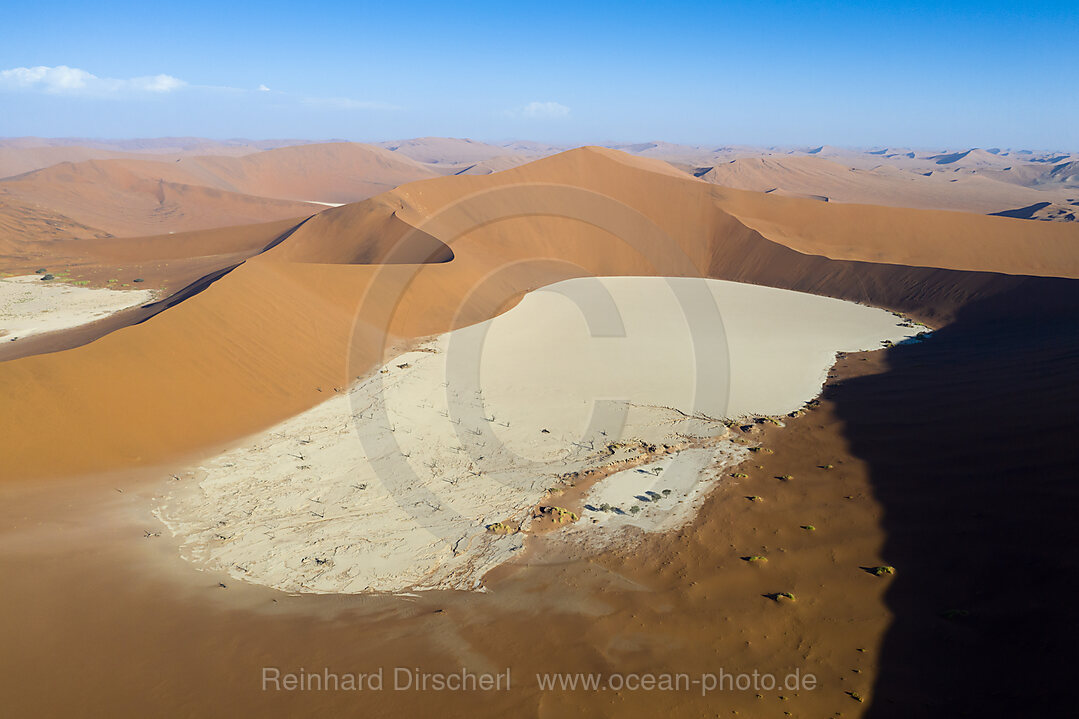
x: 634, y: 509
x: 40, y: 271
x: 47, y: 277
x: 138, y: 279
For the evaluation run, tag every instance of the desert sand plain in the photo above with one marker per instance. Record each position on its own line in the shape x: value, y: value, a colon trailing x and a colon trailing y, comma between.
x: 623, y: 410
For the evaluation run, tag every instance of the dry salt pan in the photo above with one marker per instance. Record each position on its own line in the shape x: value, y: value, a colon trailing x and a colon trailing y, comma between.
x: 30, y: 306
x: 393, y: 485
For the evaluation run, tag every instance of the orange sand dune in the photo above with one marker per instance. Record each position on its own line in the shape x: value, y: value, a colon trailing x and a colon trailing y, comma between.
x: 16, y: 160
x: 127, y: 197
x: 280, y: 332
x: 329, y: 172
x: 21, y: 220
x: 25, y: 154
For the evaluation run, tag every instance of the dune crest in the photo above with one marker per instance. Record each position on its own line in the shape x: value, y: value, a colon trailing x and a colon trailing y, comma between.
x: 304, y: 311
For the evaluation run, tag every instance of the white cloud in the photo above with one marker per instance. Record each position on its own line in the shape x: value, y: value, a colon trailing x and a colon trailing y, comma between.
x: 73, y: 81
x: 541, y: 110
x: 61, y: 80
x: 157, y: 83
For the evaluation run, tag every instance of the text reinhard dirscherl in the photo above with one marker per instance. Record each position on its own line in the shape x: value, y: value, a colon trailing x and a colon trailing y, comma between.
x: 414, y: 679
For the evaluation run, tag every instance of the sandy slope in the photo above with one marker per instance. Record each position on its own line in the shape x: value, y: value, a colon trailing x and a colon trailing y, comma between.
x: 312, y: 310
x: 130, y: 197
x: 131, y: 201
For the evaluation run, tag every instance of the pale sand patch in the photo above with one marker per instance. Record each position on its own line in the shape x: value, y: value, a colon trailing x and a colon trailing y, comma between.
x: 390, y: 485
x: 30, y: 306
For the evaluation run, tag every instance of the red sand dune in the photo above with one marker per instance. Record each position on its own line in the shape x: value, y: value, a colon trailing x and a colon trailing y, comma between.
x: 130, y: 197
x: 276, y: 334
x: 951, y: 459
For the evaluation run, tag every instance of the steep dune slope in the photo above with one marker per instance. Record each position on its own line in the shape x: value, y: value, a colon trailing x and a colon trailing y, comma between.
x: 288, y: 327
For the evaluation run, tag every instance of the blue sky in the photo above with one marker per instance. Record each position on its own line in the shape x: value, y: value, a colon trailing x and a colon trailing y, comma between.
x: 792, y: 73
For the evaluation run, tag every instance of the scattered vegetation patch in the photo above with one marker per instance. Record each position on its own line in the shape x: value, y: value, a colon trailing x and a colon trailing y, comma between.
x: 786, y: 477
x: 500, y: 528
x: 880, y: 571
x: 781, y: 596
x: 855, y: 696
x: 755, y: 559
x: 754, y: 498
x: 739, y: 475
x: 559, y: 514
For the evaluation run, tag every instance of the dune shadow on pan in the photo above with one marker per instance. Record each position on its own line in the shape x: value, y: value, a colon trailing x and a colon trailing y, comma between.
x: 970, y: 441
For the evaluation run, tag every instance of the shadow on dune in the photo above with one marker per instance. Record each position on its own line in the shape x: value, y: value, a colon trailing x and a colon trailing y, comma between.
x: 333, y: 238
x: 1023, y: 213
x: 199, y: 285
x: 971, y: 443
x: 87, y: 333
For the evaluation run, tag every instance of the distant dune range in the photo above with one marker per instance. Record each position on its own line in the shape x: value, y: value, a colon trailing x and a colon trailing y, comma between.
x: 80, y: 188
x: 126, y: 197
x: 304, y: 309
